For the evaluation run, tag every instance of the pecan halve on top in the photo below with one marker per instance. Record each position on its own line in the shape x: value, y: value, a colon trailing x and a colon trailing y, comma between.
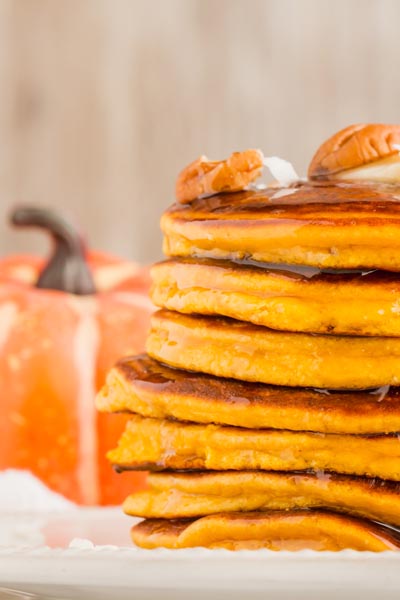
x: 204, y: 177
x: 354, y: 147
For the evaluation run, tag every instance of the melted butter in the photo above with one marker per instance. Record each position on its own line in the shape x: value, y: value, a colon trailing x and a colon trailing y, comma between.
x: 381, y: 393
x: 303, y: 271
x: 384, y: 170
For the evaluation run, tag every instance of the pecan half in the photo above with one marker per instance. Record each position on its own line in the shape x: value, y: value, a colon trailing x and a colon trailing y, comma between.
x: 204, y: 177
x: 354, y: 147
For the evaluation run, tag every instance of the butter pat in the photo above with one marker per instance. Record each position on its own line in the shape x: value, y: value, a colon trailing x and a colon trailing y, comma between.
x: 386, y: 170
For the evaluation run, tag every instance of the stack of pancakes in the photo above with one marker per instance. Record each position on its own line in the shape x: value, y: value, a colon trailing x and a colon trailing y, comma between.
x: 266, y: 407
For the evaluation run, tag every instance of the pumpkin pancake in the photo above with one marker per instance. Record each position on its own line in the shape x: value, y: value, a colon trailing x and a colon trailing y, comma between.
x: 151, y: 444
x: 282, y: 297
x: 188, y: 495
x: 295, y: 530
x: 142, y: 385
x: 322, y: 224
x: 229, y: 348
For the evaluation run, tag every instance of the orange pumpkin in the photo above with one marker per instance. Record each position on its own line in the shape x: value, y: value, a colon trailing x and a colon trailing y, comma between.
x: 62, y: 326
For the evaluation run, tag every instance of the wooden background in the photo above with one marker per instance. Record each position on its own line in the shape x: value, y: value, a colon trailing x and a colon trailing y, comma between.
x: 103, y: 101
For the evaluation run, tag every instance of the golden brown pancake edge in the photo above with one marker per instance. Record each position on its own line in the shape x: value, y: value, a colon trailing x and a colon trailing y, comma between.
x: 191, y: 495
x: 153, y: 444
x: 229, y: 348
x: 282, y: 297
x: 321, y: 224
x: 142, y: 385
x: 293, y: 530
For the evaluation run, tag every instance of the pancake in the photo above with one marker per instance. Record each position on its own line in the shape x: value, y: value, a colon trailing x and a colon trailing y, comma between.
x: 142, y: 385
x: 315, y: 530
x: 229, y: 348
x: 321, y: 224
x: 287, y: 298
x: 151, y: 444
x: 182, y: 496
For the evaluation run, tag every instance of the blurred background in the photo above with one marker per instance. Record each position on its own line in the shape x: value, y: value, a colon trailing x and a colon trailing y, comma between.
x: 102, y: 102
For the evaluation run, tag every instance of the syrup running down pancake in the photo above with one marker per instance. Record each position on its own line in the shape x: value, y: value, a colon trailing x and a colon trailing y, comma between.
x: 152, y: 444
x: 229, y: 348
x: 296, y: 530
x: 284, y: 297
x: 188, y: 495
x: 142, y: 385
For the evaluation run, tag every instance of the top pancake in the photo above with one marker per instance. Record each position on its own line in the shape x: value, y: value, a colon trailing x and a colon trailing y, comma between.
x: 325, y: 225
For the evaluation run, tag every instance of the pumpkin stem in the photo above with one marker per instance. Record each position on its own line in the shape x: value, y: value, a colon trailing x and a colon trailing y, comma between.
x: 67, y: 269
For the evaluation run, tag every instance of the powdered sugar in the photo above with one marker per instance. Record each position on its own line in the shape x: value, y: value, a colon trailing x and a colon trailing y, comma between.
x: 21, y: 491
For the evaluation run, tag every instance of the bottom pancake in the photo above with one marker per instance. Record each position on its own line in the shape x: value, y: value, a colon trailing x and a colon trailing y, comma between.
x: 188, y: 495
x: 296, y: 530
x: 152, y: 444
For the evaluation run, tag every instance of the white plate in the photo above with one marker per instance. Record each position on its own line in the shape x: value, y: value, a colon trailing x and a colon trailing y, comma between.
x: 111, y: 569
